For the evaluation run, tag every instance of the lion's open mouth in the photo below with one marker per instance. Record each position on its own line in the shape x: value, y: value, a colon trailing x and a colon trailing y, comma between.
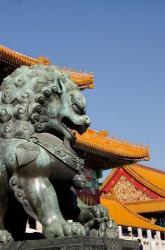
x: 69, y: 125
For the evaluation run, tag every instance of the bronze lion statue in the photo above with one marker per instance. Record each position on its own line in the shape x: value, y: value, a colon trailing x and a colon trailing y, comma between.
x: 40, y: 108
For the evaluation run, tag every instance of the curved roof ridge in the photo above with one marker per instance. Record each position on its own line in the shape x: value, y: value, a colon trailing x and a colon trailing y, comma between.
x: 144, y: 202
x: 68, y: 69
x: 16, y: 59
x: 100, y: 140
x: 76, y: 76
x: 105, y: 135
x: 147, y: 206
x: 149, y: 225
x: 131, y: 170
x: 24, y: 59
x: 152, y: 168
x: 123, y: 205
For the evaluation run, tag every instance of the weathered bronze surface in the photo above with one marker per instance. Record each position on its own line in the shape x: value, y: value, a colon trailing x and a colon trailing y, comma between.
x: 39, y: 109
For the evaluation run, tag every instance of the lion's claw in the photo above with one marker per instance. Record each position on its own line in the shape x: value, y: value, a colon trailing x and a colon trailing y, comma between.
x: 100, y: 211
x: 74, y: 228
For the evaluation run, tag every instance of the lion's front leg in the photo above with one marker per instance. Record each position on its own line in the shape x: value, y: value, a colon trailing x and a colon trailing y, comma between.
x: 5, y: 236
x: 39, y: 199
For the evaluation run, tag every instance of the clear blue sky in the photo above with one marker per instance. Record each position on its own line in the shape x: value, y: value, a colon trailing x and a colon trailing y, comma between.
x: 122, y: 42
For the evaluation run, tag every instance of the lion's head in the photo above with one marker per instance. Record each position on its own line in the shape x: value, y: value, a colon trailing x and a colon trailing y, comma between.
x: 41, y: 99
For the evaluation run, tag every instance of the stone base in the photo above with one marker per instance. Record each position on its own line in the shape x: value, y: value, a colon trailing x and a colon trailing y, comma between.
x: 75, y: 243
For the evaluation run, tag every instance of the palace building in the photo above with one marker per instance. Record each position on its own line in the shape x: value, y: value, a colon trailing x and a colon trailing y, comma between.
x: 135, y: 198
x: 140, y: 190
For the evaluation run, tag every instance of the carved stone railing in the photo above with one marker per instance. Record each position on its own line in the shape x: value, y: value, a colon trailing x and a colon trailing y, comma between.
x: 149, y: 242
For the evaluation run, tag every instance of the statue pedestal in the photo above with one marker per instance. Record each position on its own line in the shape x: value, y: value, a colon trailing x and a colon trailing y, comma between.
x: 75, y: 243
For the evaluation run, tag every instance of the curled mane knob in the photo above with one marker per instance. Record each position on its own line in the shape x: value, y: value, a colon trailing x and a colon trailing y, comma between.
x: 20, y: 112
x: 13, y: 182
x: 5, y: 114
x: 7, y: 130
x: 40, y: 99
x: 19, y: 81
x: 24, y: 96
x: 20, y: 194
x: 8, y: 94
x: 56, y: 89
x: 38, y: 127
x: 35, y: 118
x: 38, y: 109
x: 47, y: 93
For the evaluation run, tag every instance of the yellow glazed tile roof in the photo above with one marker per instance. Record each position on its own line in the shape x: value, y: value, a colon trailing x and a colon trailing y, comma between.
x: 101, y: 142
x: 147, y: 206
x: 125, y: 217
x: 16, y: 59
x: 83, y: 80
x: 152, y: 178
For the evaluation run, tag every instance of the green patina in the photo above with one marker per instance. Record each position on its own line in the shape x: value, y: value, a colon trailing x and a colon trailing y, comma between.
x: 39, y: 109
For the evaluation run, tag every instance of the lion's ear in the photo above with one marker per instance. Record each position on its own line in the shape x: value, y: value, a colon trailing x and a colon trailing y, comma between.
x: 61, y: 85
x: 57, y: 87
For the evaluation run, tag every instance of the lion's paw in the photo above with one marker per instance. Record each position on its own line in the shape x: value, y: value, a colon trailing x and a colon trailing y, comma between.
x: 74, y: 228
x: 5, y: 237
x: 67, y: 229
x: 100, y: 212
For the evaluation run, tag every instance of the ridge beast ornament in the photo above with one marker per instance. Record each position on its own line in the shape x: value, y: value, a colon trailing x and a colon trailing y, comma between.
x: 39, y: 109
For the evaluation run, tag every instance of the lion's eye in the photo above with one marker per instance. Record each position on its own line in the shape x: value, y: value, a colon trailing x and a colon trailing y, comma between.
x: 77, y: 109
